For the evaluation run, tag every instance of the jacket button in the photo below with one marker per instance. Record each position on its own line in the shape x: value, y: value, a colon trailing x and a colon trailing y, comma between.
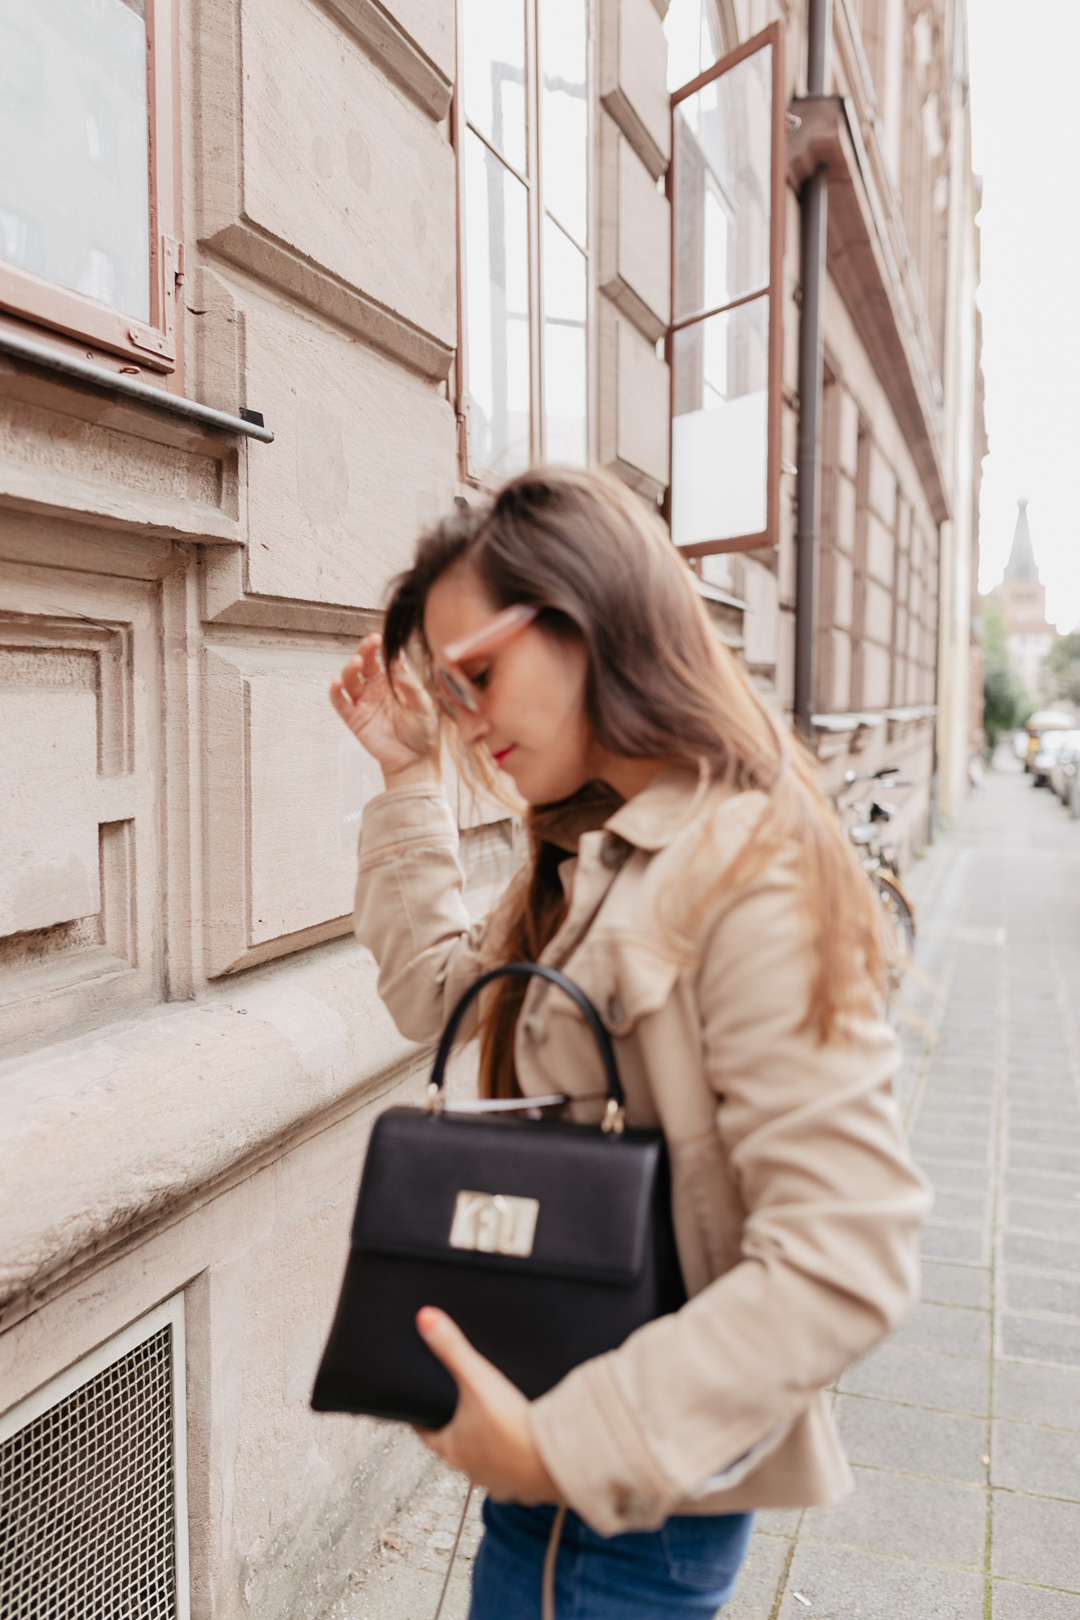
x: 614, y: 851
x: 615, y: 1014
x: 535, y: 1028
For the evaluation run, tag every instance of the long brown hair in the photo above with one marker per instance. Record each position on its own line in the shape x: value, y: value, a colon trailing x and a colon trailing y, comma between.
x: 659, y: 685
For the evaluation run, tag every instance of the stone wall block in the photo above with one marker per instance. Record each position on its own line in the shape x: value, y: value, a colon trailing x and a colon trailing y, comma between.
x: 285, y: 787
x: 633, y: 83
x: 87, y: 455
x: 634, y: 405
x: 363, y: 459
x: 634, y: 261
x: 80, y: 698
x: 340, y: 168
x: 324, y: 180
x: 412, y: 41
x: 761, y: 623
x: 880, y: 550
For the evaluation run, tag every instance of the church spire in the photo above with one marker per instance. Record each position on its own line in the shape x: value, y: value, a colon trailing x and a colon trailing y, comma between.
x: 1021, y: 564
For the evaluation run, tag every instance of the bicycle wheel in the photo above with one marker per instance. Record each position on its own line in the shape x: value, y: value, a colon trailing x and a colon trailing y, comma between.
x: 899, y: 913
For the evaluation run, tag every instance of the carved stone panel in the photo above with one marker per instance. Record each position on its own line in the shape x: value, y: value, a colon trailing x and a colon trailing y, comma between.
x: 80, y: 719
x: 286, y: 786
x: 364, y: 457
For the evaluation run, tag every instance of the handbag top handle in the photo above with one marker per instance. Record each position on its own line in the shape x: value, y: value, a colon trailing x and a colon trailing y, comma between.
x: 616, y: 1098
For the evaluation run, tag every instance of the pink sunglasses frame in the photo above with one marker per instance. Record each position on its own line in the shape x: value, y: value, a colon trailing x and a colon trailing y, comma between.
x: 453, y: 688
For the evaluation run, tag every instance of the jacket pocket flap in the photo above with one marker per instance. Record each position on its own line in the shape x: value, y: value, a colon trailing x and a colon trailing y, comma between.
x: 625, y: 979
x: 552, y: 1198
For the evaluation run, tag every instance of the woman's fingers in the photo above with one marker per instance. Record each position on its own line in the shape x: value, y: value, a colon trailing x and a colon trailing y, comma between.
x: 445, y: 1339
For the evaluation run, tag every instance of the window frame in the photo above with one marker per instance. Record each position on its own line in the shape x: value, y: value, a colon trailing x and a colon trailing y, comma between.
x: 75, y: 315
x: 470, y: 472
x: 773, y: 35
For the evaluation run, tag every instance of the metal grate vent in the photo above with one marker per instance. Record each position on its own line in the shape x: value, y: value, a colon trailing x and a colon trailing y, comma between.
x: 88, y: 1490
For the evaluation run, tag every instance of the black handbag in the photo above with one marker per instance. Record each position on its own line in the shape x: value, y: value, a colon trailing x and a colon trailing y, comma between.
x: 547, y: 1242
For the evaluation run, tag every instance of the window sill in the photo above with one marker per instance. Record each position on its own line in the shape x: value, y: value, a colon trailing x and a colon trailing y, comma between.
x: 51, y: 359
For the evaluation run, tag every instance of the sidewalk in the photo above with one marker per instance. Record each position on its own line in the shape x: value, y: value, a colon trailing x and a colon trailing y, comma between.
x: 964, y: 1429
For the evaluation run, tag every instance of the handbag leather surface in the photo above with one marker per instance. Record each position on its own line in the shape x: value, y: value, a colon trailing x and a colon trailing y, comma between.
x: 546, y: 1241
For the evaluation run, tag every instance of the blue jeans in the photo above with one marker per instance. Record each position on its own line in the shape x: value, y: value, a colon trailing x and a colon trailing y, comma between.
x: 687, y: 1567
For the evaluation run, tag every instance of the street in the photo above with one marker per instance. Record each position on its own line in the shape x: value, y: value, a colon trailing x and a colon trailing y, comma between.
x: 963, y: 1429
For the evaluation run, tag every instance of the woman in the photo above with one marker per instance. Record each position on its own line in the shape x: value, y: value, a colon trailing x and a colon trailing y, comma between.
x: 687, y: 874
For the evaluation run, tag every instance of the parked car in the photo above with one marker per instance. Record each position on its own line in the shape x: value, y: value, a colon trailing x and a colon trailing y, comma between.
x: 1065, y: 764
x: 1042, y: 761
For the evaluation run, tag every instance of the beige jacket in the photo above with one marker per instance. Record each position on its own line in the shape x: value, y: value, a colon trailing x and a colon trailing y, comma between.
x: 796, y: 1205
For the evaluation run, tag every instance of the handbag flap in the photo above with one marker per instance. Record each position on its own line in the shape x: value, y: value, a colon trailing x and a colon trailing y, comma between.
x: 551, y: 1198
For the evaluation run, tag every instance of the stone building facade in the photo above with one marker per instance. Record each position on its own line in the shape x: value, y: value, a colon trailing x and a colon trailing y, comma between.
x: 279, y: 281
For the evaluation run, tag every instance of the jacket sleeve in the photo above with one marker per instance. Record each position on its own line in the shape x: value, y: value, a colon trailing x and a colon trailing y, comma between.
x: 410, y: 912
x: 828, y: 1260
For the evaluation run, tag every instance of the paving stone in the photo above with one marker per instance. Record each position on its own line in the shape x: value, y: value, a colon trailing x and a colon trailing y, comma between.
x: 907, y: 1517
x: 1032, y: 1394
x: 759, y: 1578
x: 955, y: 1117
x: 1037, y: 1539
x: 1012, y: 1602
x: 960, y: 1149
x: 1055, y: 1136
x: 939, y: 1241
x: 896, y: 1372
x: 1048, y: 1106
x: 938, y: 1445
x: 971, y: 1209
x: 842, y: 1583
x: 778, y: 1521
x: 1043, y: 1462
x: 951, y: 1329
x: 1023, y: 1156
x: 945, y: 1284
x: 959, y: 1177
x: 1031, y: 1184
x: 1022, y: 1292
x: 1041, y: 1253
x: 402, y: 1578
x: 1033, y: 1338
x: 1056, y: 1219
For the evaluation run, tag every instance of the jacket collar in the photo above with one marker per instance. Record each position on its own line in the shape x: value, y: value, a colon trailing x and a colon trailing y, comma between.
x: 652, y: 818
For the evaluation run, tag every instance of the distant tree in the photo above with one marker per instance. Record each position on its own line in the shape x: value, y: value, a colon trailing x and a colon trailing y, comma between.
x: 1005, y: 702
x: 1062, y: 667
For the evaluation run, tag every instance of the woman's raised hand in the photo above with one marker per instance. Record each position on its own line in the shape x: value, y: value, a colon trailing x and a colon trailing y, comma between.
x: 397, y: 725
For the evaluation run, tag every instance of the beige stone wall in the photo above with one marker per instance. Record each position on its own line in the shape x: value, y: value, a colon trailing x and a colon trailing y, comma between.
x: 193, y: 1044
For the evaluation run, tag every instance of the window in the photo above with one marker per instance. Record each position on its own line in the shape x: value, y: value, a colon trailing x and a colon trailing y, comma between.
x: 522, y: 131
x: 724, y: 345
x: 88, y: 193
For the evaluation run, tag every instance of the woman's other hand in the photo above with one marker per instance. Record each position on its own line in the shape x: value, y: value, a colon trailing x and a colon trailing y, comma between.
x: 489, y: 1436
x: 397, y: 725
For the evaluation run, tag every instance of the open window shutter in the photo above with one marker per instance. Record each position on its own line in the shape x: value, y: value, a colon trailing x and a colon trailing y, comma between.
x: 724, y: 345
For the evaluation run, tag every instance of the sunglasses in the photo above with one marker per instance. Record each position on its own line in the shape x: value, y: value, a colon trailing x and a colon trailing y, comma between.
x: 453, y: 688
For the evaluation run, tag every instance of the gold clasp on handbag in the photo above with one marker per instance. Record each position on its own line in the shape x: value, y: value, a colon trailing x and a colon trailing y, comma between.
x: 614, y: 1119
x: 494, y: 1223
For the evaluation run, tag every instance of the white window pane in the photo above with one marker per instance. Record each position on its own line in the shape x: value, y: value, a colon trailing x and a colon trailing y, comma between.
x: 723, y: 173
x: 74, y: 173
x: 720, y: 430
x: 565, y: 359
x: 564, y: 117
x: 693, y: 36
x: 497, y: 311
x: 495, y: 74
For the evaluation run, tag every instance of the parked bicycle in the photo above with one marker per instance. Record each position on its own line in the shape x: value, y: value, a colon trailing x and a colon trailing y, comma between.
x: 866, y: 821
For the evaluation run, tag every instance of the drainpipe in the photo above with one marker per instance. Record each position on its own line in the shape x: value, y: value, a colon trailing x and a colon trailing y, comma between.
x: 815, y: 218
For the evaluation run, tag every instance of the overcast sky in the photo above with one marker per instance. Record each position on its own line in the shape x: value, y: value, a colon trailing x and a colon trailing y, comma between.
x: 1026, y: 126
